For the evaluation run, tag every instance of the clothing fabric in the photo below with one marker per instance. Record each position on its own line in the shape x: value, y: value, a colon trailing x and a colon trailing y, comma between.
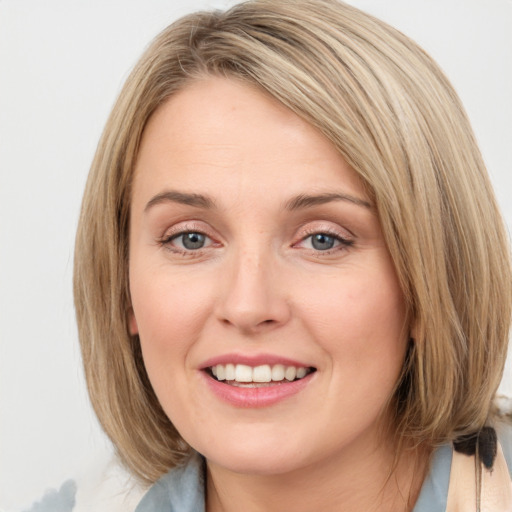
x: 182, y: 489
x: 451, y: 479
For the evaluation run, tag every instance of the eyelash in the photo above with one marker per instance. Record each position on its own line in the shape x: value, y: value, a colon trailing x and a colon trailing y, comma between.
x: 166, y: 241
x: 344, y: 243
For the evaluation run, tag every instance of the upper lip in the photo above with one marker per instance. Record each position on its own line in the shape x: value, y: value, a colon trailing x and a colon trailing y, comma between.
x: 252, y: 360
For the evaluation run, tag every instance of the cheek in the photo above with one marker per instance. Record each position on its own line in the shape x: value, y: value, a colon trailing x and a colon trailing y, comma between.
x: 360, y: 322
x: 170, y: 314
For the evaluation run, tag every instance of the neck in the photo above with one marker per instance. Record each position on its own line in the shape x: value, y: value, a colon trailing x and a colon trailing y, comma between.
x: 363, y: 481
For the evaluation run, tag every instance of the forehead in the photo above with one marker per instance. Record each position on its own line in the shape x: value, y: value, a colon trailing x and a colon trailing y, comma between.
x: 219, y: 134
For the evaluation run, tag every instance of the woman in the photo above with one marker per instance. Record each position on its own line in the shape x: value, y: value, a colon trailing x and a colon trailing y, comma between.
x: 292, y: 281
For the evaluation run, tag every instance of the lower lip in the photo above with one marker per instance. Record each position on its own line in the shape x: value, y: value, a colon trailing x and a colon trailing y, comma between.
x: 263, y: 396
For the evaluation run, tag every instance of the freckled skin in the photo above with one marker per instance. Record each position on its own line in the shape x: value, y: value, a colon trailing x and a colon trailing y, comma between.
x: 259, y: 285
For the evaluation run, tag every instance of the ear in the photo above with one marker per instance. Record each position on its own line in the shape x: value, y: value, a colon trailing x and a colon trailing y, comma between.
x: 132, y: 323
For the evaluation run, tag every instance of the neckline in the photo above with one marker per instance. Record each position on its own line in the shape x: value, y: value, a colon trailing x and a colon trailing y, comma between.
x: 434, y: 491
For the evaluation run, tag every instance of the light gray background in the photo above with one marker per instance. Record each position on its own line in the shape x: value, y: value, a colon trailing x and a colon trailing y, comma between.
x: 62, y: 63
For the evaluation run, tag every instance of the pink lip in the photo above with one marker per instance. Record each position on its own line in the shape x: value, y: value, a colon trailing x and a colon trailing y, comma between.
x: 264, y: 396
x: 252, y: 360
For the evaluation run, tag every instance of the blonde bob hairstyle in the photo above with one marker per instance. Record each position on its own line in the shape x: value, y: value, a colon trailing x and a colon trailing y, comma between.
x: 394, y: 117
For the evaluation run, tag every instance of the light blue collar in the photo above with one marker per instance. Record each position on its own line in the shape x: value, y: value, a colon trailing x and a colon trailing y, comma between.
x: 182, y: 489
x: 434, y: 491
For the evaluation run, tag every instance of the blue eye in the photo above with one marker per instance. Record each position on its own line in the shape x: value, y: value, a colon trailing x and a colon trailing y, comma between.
x: 191, y: 240
x: 322, y: 241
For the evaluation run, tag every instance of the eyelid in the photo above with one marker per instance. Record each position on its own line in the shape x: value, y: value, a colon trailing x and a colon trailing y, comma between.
x: 345, y: 238
x: 181, y: 228
x: 185, y: 227
x: 312, y: 228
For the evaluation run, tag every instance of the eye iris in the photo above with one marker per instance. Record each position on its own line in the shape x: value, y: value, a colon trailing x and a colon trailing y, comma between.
x: 322, y: 242
x: 193, y: 240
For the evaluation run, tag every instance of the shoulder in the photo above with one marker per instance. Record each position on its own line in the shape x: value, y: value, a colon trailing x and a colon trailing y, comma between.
x: 181, y: 489
x: 451, y: 473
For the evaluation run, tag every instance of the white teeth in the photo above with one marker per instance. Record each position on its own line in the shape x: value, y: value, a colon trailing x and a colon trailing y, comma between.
x: 277, y: 372
x: 290, y: 373
x: 230, y: 372
x: 243, y: 373
x: 301, y: 372
x: 262, y: 373
x: 221, y: 372
x: 259, y: 374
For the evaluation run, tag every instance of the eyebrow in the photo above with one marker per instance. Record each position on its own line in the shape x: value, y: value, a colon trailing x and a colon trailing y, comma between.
x: 173, y: 196
x: 308, y: 201
x: 295, y: 203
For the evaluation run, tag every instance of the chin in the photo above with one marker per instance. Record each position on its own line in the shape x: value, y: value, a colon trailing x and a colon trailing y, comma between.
x: 256, y: 464
x: 262, y: 458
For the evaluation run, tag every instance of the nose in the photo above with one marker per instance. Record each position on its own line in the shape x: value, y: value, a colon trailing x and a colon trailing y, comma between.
x: 253, y: 296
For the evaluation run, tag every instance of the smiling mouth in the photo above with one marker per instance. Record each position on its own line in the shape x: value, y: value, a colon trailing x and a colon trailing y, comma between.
x: 241, y: 375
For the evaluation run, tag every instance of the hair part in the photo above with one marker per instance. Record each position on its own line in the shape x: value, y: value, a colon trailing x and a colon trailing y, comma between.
x: 398, y: 123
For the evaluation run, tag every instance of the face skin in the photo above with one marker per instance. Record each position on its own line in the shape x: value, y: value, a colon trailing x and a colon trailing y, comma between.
x: 268, y: 276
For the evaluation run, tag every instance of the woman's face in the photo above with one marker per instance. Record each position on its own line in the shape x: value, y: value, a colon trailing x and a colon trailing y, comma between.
x: 256, y: 255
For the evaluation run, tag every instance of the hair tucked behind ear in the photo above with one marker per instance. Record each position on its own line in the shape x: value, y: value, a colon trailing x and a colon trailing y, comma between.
x: 396, y: 120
